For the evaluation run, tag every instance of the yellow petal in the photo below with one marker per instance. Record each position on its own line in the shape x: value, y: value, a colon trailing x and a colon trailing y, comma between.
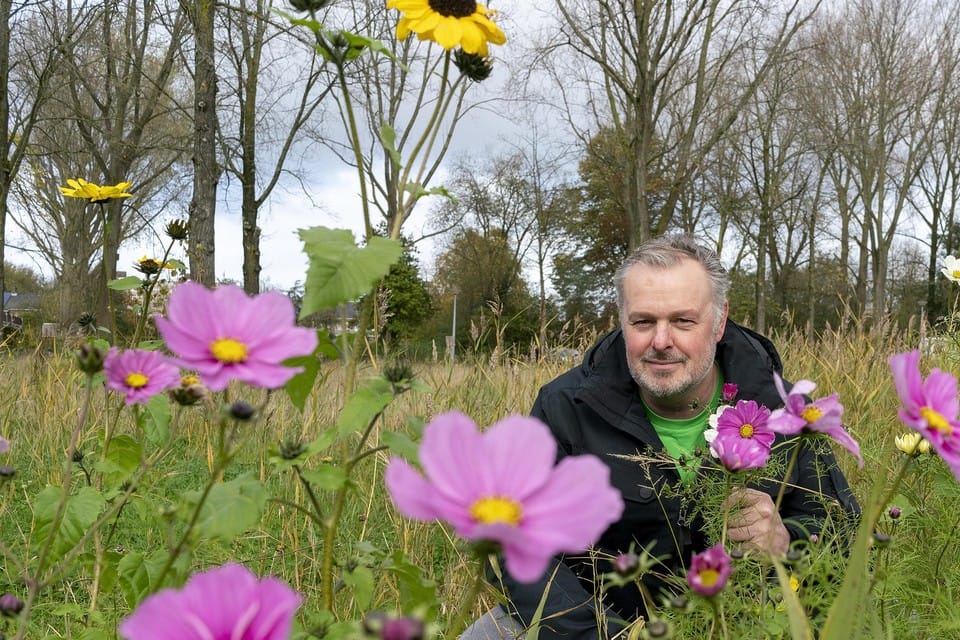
x: 448, y: 33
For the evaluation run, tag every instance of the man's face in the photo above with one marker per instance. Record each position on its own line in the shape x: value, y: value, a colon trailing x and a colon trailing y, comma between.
x: 670, y: 329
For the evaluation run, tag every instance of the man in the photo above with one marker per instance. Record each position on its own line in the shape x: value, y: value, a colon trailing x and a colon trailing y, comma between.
x: 647, y: 389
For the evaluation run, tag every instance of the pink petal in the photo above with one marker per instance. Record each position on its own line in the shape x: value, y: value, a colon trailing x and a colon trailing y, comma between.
x: 520, y: 454
x: 413, y: 496
x: 452, y: 456
x: 575, y: 507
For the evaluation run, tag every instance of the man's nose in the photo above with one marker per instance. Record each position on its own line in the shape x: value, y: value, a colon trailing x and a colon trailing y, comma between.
x: 662, y: 337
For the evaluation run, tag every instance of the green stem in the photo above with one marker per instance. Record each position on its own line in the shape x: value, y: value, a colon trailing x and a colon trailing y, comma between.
x: 466, y: 608
x: 148, y: 295
x: 330, y: 530
x: 786, y: 474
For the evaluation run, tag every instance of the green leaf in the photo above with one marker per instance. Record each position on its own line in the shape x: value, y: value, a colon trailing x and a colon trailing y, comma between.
x: 137, y: 572
x: 364, y: 405
x: 327, y: 477
x: 388, y: 138
x: 150, y: 345
x: 416, y: 590
x: 125, y: 284
x: 231, y: 508
x: 416, y: 189
x: 362, y: 582
x: 155, y: 420
x: 400, y: 444
x: 120, y: 462
x: 311, y: 24
x: 339, y: 270
x: 359, y: 43
x: 298, y: 387
x: 799, y: 627
x: 79, y: 514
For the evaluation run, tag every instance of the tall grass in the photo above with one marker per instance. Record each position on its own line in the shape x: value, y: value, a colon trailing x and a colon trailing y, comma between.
x: 917, y: 584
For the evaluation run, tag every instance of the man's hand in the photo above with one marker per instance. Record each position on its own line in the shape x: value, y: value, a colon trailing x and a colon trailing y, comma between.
x: 754, y: 523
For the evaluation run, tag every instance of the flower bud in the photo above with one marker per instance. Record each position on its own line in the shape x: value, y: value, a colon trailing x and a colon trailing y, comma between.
x: 882, y: 540
x: 894, y: 512
x: 474, y: 66
x: 90, y: 358
x: 309, y: 5
x: 729, y: 392
x: 242, y: 411
x: 387, y: 628
x: 190, y: 392
x: 657, y: 629
x: 626, y: 564
x: 10, y: 605
x: 177, y: 229
x: 7, y: 472
x: 291, y: 449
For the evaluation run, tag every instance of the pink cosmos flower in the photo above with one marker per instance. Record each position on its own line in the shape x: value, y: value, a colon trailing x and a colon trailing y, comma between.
x: 930, y: 406
x: 742, y: 440
x: 139, y: 374
x: 502, y: 486
x: 709, y: 571
x: 823, y: 415
x: 224, y: 603
x: 226, y: 335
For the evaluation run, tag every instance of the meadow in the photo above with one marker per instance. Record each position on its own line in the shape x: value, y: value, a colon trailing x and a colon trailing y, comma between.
x: 284, y: 486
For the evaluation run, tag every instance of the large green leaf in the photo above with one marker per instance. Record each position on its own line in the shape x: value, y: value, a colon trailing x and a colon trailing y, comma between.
x: 298, y: 388
x: 137, y: 572
x: 121, y: 460
x: 364, y: 405
x: 362, y: 583
x: 155, y: 420
x: 79, y: 514
x: 339, y: 270
x: 231, y: 508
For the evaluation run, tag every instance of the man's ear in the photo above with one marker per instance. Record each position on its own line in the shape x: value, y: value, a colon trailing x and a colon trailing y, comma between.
x: 723, y: 321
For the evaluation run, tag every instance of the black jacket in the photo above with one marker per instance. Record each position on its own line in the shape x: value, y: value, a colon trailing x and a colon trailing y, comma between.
x: 596, y: 408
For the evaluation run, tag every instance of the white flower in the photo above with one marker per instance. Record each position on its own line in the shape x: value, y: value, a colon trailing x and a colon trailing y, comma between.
x: 711, y: 434
x: 951, y: 268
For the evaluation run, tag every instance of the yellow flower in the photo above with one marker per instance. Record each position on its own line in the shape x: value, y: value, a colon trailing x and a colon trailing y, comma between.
x: 912, y: 444
x: 80, y: 188
x: 450, y: 23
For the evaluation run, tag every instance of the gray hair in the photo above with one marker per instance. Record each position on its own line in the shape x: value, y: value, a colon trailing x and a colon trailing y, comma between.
x: 668, y: 251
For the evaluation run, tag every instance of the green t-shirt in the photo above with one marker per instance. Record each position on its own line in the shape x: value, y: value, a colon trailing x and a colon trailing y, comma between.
x: 683, y: 437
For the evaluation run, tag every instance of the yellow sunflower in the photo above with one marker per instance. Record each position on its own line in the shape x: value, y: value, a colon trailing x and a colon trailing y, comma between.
x: 450, y: 23
x: 80, y: 188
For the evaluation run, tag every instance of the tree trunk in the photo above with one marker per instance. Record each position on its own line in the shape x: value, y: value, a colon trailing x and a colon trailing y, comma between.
x: 201, y: 243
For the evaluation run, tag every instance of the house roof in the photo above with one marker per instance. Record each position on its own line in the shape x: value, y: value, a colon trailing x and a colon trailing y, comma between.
x: 13, y: 301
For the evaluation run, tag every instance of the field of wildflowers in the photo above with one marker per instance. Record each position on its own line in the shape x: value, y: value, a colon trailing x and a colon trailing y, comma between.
x: 224, y: 473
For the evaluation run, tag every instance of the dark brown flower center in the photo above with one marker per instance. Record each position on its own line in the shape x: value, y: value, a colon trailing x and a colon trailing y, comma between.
x: 454, y: 8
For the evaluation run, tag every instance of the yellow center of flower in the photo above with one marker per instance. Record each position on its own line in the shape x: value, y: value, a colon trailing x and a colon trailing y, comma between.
x: 746, y: 430
x: 188, y: 380
x: 136, y: 380
x: 228, y: 350
x: 936, y: 421
x: 811, y: 414
x: 496, y: 509
x: 454, y: 8
x: 709, y: 577
x: 956, y: 274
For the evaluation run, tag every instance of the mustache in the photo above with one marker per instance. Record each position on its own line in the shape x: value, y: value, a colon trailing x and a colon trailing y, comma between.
x: 661, y: 357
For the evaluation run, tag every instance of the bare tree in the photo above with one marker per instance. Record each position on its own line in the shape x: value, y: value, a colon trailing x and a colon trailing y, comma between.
x: 653, y: 71
x: 272, y: 96
x: 24, y: 85
x: 877, y: 58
